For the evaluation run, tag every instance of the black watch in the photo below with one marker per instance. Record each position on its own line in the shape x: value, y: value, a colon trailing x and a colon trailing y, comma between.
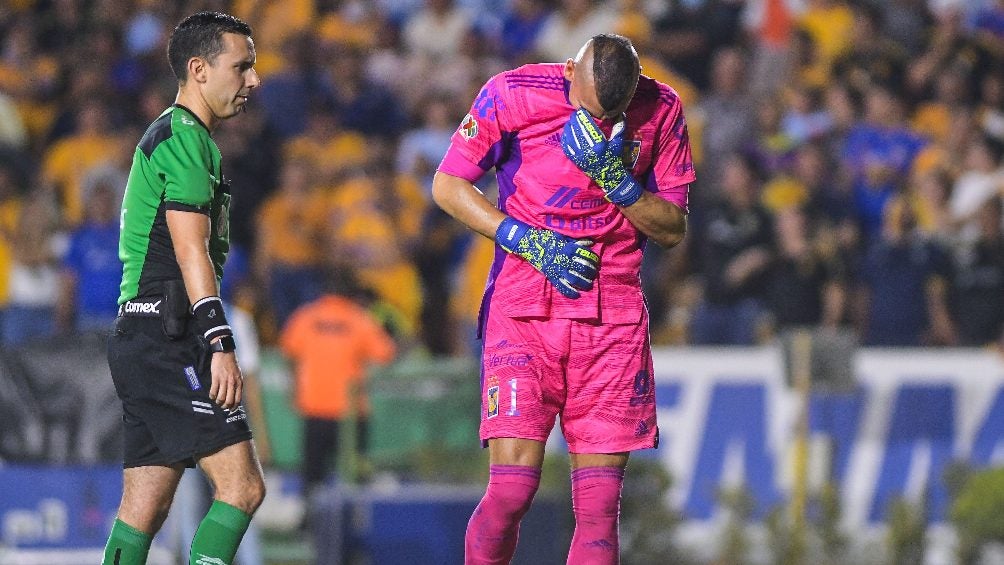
x: 225, y: 344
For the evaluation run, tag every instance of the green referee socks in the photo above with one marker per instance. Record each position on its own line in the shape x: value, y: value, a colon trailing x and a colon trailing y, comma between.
x: 219, y: 534
x: 126, y: 545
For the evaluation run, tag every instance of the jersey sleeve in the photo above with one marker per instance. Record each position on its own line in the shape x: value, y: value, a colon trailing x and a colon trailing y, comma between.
x: 673, y: 170
x: 479, y: 144
x: 184, y: 163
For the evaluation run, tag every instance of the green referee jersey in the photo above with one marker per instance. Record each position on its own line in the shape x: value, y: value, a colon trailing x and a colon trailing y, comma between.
x: 176, y: 166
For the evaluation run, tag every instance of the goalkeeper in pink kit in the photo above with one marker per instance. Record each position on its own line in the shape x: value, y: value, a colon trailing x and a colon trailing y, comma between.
x: 592, y: 161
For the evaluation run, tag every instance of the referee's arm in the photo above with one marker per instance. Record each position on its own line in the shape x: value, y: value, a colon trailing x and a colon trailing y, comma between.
x: 190, y: 233
x: 190, y: 236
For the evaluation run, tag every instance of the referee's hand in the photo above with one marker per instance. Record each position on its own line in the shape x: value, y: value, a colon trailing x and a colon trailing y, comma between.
x: 228, y: 383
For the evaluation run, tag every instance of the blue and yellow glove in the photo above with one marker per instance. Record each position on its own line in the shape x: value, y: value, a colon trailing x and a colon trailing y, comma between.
x: 601, y: 159
x: 568, y: 263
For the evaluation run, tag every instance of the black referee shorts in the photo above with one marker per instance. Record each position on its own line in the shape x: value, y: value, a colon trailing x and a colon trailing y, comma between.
x: 168, y: 416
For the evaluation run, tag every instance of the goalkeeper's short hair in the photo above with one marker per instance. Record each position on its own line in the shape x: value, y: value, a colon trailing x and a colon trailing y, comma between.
x: 615, y: 69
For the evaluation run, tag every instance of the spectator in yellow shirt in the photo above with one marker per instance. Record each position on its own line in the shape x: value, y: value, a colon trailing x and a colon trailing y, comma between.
x: 290, y: 225
x: 67, y: 161
x: 361, y: 234
x: 829, y: 23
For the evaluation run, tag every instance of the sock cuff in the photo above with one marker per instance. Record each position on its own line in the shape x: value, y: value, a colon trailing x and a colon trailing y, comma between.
x: 124, y: 530
x: 228, y: 516
x: 514, y: 471
x: 598, y: 473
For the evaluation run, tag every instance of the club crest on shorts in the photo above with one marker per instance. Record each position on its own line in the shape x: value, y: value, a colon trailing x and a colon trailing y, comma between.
x: 492, y: 398
x: 469, y: 127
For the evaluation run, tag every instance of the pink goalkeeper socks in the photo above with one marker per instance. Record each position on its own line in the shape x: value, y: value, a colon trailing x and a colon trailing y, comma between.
x: 494, y: 527
x: 596, y: 501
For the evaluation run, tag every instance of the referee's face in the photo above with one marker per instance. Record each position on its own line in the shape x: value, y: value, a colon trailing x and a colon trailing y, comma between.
x: 231, y: 77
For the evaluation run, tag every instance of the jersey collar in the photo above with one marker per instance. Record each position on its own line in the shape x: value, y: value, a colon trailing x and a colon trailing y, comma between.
x: 191, y: 113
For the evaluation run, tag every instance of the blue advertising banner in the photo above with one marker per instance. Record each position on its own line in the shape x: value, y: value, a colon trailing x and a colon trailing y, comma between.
x: 58, y: 507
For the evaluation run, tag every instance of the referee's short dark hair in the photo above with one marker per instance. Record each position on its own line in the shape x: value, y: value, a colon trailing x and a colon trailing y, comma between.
x: 615, y: 69
x: 201, y: 35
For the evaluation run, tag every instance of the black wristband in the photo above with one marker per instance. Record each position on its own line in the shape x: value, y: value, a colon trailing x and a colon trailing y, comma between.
x: 225, y: 344
x: 210, y: 320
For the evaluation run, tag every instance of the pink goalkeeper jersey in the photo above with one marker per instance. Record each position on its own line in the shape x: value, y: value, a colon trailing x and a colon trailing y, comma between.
x: 515, y: 126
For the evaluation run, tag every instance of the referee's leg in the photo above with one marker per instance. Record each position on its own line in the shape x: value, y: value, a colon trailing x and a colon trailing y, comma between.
x: 147, y: 493
x: 239, y: 488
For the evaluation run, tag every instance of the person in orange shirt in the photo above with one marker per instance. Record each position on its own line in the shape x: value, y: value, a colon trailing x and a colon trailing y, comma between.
x: 331, y: 342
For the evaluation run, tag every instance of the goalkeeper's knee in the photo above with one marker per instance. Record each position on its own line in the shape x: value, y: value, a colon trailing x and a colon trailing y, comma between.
x: 494, y: 527
x: 511, y: 489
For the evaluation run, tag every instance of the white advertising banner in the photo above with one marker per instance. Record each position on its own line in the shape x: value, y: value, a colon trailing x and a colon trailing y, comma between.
x: 727, y: 417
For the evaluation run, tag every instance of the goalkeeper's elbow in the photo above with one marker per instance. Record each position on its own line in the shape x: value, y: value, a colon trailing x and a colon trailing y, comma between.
x: 670, y: 235
x: 669, y: 240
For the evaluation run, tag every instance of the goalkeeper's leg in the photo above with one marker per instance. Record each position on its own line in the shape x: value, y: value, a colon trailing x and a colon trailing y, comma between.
x: 494, y: 527
x: 596, y: 497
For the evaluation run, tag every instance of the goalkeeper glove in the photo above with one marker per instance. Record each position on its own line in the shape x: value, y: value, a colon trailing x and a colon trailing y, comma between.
x: 599, y: 158
x: 568, y: 263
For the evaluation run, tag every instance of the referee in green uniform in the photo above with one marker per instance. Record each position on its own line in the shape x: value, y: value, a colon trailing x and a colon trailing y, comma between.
x: 172, y: 351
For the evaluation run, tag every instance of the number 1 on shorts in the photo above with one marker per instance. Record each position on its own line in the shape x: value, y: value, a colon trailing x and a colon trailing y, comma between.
x: 512, y: 399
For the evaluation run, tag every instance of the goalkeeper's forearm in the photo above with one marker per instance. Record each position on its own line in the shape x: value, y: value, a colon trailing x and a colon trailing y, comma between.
x: 662, y: 221
x: 465, y: 203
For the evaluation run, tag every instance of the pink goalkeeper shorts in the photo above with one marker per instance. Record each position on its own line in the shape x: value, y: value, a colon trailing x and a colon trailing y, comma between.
x: 597, y: 377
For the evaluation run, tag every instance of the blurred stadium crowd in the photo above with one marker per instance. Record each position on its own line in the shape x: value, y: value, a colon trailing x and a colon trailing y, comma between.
x: 848, y: 157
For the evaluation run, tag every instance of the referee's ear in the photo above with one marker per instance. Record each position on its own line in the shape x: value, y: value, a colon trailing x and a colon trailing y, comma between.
x: 196, y: 69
